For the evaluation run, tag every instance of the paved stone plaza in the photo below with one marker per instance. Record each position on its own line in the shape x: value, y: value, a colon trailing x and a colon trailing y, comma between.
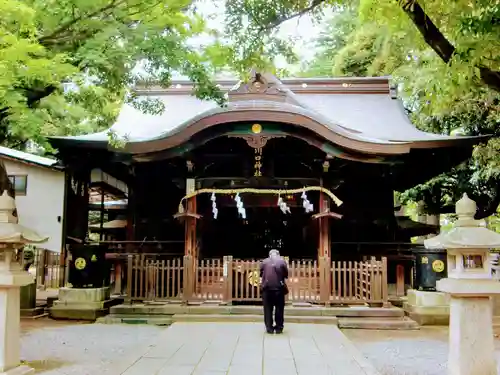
x: 64, y: 348
x: 244, y: 349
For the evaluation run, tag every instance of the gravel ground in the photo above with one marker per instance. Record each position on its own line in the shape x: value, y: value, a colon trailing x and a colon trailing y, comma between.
x: 80, y: 349
x: 422, y: 352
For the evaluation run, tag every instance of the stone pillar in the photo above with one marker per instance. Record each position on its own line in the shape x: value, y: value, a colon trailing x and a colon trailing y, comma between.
x: 11, y: 280
x: 12, y: 277
x: 470, y: 286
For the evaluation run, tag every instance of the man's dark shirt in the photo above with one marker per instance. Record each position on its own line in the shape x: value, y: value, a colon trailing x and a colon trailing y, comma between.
x: 273, y: 271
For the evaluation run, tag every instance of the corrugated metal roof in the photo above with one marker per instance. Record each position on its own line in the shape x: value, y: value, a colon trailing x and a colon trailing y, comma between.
x: 27, y: 157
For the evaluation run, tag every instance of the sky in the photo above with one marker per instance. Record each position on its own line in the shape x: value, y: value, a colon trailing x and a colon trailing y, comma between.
x: 303, y: 28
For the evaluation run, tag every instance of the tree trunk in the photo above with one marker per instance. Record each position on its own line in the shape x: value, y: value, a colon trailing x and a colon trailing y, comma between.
x: 440, y: 44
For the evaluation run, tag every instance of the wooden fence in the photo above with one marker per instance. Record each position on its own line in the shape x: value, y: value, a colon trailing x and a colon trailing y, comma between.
x: 47, y: 267
x: 233, y: 280
x: 150, y: 279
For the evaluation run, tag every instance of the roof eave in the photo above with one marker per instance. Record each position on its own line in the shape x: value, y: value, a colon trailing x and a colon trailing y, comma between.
x: 54, y: 166
x: 449, y: 142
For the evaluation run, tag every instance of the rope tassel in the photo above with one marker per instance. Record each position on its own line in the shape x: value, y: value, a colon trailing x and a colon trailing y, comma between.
x: 239, y: 205
x: 215, y: 211
x: 308, y: 206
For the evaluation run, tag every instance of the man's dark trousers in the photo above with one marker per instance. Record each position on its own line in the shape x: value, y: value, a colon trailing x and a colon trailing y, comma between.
x: 273, y: 299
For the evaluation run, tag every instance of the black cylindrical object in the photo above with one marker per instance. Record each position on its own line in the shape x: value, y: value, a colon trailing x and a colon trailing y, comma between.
x: 88, y: 267
x: 430, y: 266
x: 28, y: 296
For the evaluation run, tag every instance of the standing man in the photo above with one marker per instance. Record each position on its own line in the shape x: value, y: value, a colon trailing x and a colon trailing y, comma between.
x: 274, y: 272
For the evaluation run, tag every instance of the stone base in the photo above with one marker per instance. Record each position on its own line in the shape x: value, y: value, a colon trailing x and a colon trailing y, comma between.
x: 83, y: 304
x: 50, y: 301
x: 76, y: 295
x: 428, y: 308
x: 471, y: 349
x: 33, y: 313
x: 77, y: 314
x: 19, y: 370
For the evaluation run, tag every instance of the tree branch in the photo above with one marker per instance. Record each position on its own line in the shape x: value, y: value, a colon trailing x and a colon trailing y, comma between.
x: 487, y: 206
x: 46, y: 40
x: 432, y: 35
x: 429, y: 31
x: 278, y: 21
x: 438, y: 42
x: 34, y: 95
x: 490, y: 77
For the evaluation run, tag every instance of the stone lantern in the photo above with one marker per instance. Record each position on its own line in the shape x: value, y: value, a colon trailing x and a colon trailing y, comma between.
x: 470, y: 286
x: 13, y: 236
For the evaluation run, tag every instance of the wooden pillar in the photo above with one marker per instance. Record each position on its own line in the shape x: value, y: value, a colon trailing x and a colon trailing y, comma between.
x: 190, y: 250
x: 118, y: 276
x: 400, y: 280
x: 131, y: 213
x: 324, y: 255
x: 325, y: 281
x: 188, y: 278
x: 76, y: 222
x: 227, y: 273
x: 129, y: 236
x: 190, y: 222
x: 130, y: 270
x: 324, y: 228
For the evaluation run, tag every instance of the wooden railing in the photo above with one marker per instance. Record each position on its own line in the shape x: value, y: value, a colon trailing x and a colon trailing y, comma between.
x: 358, y: 282
x: 209, y: 282
x: 47, y: 267
x: 233, y: 280
x: 304, y: 281
x: 154, y: 279
x: 245, y: 285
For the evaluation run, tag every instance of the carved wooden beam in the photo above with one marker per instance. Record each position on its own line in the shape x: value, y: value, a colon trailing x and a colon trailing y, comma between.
x: 256, y: 140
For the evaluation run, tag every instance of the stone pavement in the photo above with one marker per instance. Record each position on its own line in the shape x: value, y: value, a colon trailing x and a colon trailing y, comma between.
x: 244, y: 349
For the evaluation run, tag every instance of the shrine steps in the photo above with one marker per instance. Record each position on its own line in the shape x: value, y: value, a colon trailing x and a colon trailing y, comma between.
x: 242, y: 318
x: 351, y: 317
x: 401, y: 323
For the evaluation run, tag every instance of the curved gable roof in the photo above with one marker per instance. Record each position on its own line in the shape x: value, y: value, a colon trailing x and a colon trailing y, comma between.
x: 356, y: 113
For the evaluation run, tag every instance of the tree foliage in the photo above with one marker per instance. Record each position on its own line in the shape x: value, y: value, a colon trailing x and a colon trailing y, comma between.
x: 445, y: 58
x: 437, y: 102
x: 464, y: 35
x: 65, y: 66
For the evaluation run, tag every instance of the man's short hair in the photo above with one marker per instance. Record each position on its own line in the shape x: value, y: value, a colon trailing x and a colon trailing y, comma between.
x: 274, y: 253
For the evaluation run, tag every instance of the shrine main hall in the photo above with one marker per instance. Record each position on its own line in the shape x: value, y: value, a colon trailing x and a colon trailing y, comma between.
x: 192, y: 198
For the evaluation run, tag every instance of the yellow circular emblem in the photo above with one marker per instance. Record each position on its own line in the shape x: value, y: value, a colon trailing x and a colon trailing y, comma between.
x: 254, y: 278
x: 438, y: 266
x: 80, y: 263
x: 256, y: 128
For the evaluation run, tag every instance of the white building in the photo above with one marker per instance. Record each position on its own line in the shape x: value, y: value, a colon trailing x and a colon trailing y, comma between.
x: 39, y: 185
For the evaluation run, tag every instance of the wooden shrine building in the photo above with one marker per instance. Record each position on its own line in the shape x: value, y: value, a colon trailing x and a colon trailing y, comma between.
x: 306, y: 166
